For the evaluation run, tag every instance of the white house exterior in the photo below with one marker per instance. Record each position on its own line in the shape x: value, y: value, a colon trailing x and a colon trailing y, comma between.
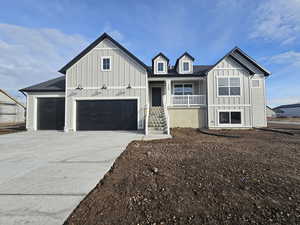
x: 11, y: 110
x: 106, y: 87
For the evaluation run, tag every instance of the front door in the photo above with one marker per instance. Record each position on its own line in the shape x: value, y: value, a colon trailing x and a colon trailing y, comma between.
x: 156, y: 96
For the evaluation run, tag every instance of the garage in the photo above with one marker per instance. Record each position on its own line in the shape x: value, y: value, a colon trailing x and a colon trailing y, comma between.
x: 50, y: 113
x: 106, y: 114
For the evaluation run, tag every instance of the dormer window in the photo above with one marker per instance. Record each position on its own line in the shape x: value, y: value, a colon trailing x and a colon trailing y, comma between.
x: 160, y: 67
x: 186, y: 66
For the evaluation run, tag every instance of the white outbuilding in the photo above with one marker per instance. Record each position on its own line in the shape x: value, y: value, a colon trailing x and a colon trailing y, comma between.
x: 11, y: 110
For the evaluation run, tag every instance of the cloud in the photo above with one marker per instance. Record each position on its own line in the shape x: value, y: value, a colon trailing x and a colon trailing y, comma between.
x: 289, y: 58
x: 32, y: 55
x: 277, y: 20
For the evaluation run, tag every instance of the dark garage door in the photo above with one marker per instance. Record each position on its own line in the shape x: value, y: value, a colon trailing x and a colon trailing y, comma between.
x: 107, y: 115
x: 50, y: 113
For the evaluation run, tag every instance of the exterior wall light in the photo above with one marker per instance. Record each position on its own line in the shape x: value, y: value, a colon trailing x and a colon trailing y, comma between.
x: 129, y: 86
x: 79, y: 87
x: 104, y: 86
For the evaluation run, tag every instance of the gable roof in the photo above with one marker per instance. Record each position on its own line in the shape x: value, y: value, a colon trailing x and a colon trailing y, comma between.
x: 162, y: 55
x: 12, y: 98
x: 57, y: 85
x: 252, y: 61
x: 288, y: 106
x: 94, y: 44
x: 184, y: 54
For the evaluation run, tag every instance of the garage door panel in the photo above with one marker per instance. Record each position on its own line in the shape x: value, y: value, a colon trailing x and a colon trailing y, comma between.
x: 106, y: 115
x: 50, y: 113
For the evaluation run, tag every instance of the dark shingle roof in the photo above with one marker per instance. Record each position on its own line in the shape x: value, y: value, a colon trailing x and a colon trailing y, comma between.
x: 288, y: 106
x: 198, y: 70
x: 57, y: 84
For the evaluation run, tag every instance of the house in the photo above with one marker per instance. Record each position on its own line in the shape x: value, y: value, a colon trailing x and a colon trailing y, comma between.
x: 106, y: 87
x: 11, y: 110
x: 270, y: 113
x: 292, y: 110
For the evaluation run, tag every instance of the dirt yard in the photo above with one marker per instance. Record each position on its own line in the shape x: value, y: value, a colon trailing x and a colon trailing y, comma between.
x: 196, y: 178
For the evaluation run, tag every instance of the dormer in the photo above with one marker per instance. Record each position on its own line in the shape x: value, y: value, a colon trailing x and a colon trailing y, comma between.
x: 184, y: 64
x: 160, y: 64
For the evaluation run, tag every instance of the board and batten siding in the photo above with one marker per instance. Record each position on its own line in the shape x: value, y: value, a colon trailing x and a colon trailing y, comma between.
x: 88, y: 74
x: 32, y: 101
x: 251, y: 102
x: 10, y: 111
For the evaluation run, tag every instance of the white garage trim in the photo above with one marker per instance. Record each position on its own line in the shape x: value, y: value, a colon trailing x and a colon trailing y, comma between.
x: 35, y: 97
x: 104, y: 98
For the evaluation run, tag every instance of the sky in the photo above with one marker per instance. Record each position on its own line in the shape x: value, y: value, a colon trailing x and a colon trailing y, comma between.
x: 38, y: 37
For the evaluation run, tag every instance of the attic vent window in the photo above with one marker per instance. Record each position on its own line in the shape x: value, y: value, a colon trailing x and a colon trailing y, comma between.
x: 105, y: 63
x: 160, y: 67
x: 186, y: 66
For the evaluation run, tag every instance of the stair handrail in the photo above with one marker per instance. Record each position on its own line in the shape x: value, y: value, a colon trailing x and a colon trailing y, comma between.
x: 146, y: 120
x: 166, y: 114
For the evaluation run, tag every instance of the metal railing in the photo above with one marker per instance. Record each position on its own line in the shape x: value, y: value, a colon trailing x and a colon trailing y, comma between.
x: 166, y: 114
x: 188, y: 100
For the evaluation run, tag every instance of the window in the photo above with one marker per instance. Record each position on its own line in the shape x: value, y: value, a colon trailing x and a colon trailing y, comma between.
x: 106, y: 64
x: 230, y: 118
x: 229, y: 86
x: 183, y: 89
x: 255, y: 83
x: 160, y: 67
x: 186, y: 66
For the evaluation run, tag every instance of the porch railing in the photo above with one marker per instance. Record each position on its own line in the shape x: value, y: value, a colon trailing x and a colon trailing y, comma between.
x: 188, y: 100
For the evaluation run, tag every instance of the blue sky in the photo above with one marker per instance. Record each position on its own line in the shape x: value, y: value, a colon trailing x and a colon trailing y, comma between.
x: 38, y: 37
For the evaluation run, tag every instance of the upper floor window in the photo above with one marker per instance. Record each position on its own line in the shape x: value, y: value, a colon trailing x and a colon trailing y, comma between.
x: 255, y: 83
x: 183, y: 89
x: 106, y: 63
x: 229, y: 86
x: 186, y: 66
x: 160, y: 67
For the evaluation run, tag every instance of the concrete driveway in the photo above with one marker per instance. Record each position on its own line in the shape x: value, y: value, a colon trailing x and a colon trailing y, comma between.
x: 45, y: 174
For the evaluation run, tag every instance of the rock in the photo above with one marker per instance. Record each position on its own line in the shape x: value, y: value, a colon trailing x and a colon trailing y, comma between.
x: 155, y: 170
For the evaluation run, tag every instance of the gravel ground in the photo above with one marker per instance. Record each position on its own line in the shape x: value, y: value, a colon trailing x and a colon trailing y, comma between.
x: 196, y: 178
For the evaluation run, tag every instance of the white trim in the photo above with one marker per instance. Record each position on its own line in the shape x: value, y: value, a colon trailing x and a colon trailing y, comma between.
x: 176, y: 78
x: 165, y: 67
x: 237, y: 105
x: 182, y: 83
x: 228, y: 77
x: 109, y: 87
x: 35, y: 97
x: 75, y: 99
x: 182, y: 67
x: 110, y: 63
x: 230, y: 124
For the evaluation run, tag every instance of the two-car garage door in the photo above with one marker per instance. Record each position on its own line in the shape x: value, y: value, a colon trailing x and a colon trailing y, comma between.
x: 106, y: 114
x: 119, y: 114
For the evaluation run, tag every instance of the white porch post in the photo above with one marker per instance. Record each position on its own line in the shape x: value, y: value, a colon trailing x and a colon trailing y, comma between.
x: 168, y: 92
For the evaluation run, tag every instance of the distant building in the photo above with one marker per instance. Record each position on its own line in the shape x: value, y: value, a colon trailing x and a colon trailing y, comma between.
x: 270, y: 113
x: 292, y: 110
x: 11, y: 110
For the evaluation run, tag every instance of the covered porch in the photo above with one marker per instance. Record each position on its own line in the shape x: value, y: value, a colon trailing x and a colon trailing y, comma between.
x: 177, y: 92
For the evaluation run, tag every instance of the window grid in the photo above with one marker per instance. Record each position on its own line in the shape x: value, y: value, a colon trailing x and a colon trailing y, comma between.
x: 183, y: 89
x: 160, y: 66
x: 229, y: 86
x: 105, y: 63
